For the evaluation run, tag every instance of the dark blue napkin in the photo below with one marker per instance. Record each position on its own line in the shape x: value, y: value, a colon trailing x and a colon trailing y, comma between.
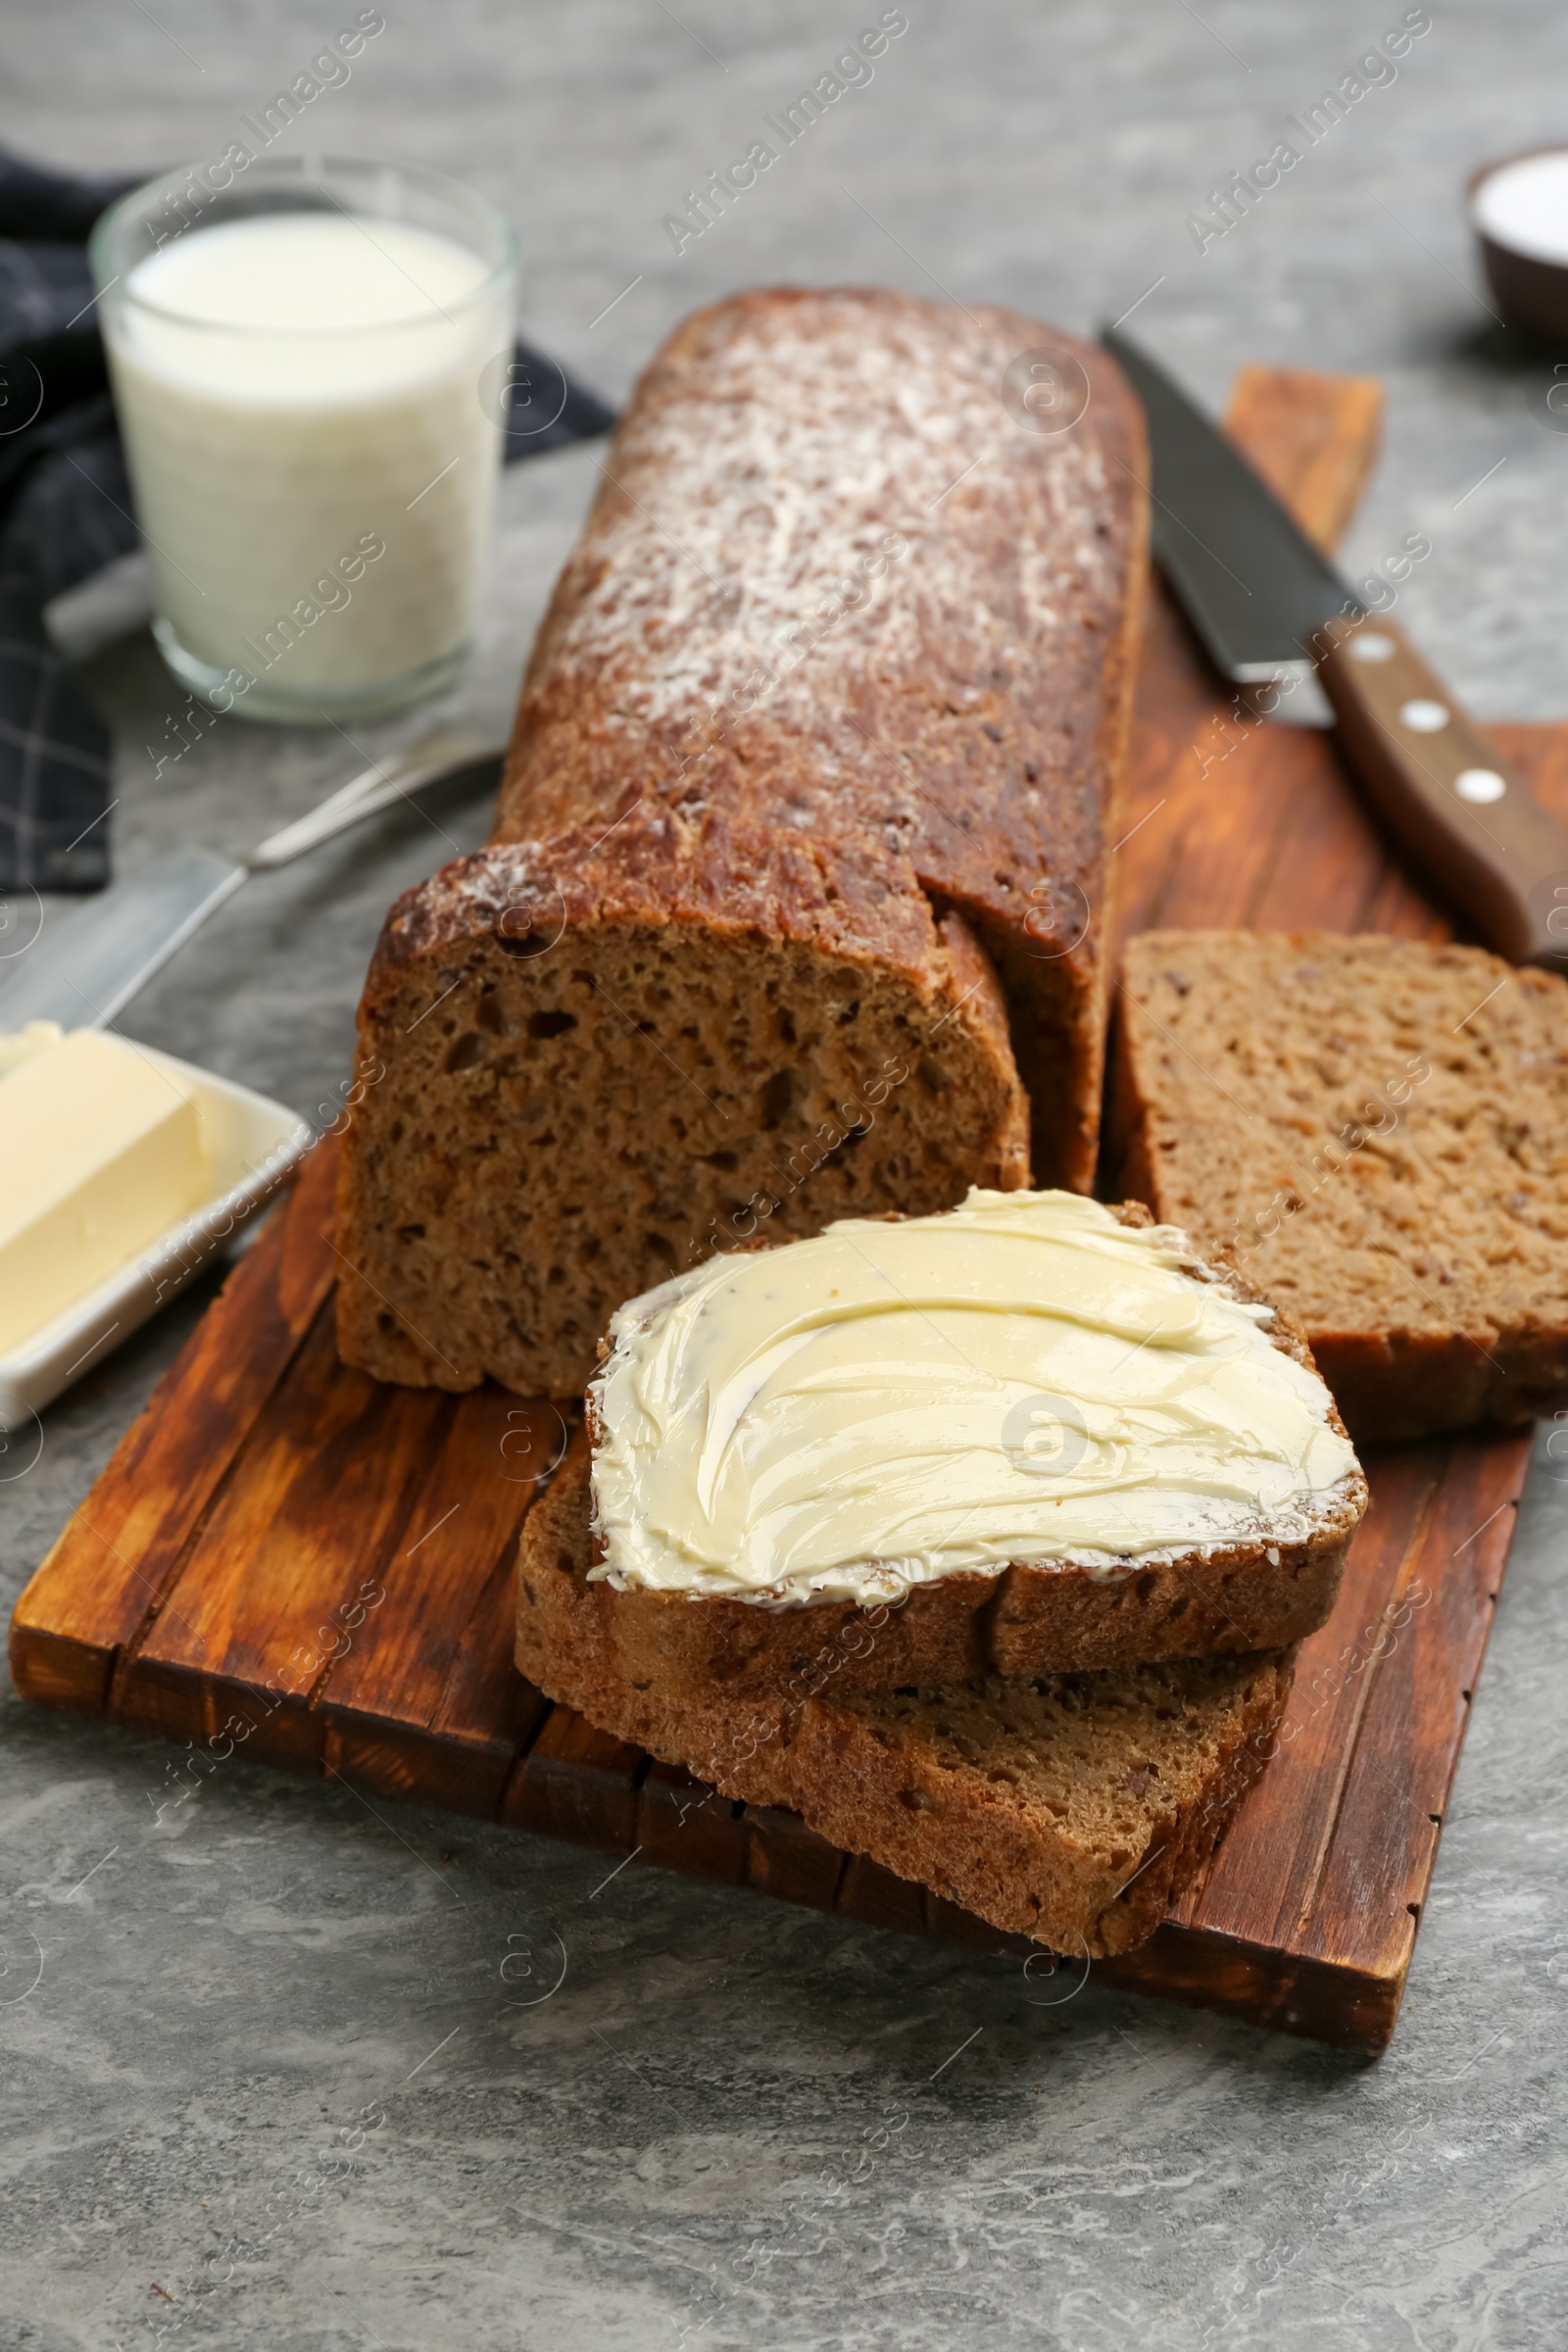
x: 65, y: 510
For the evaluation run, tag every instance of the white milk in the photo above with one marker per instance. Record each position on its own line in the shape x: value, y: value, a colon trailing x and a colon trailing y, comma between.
x: 314, y: 474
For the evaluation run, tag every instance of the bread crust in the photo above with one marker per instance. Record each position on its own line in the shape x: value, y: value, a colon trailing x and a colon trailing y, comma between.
x: 1404, y: 1384
x: 885, y: 1779
x: 1024, y: 1619
x: 984, y: 742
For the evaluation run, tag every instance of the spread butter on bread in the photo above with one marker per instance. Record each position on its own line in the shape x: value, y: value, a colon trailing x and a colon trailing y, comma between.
x: 1043, y: 1429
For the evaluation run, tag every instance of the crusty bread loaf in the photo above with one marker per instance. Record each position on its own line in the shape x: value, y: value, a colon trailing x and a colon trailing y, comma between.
x: 800, y: 866
x: 1377, y: 1130
x: 1066, y: 1807
x: 1031, y: 1618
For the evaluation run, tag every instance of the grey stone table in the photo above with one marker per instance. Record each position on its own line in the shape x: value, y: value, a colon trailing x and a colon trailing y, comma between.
x: 274, y: 2077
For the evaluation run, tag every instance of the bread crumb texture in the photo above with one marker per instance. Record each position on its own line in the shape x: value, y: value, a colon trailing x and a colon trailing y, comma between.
x: 711, y: 1048
x: 1070, y: 1808
x: 1097, y: 1777
x: 1377, y: 1130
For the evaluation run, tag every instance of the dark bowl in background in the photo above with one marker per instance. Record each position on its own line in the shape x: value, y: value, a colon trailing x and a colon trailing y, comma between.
x: 1532, y: 294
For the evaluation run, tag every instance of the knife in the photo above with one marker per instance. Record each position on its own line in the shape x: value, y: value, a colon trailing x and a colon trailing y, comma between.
x: 84, y: 970
x: 1269, y: 605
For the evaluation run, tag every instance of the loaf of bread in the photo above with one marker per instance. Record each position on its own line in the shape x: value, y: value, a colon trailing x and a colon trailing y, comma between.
x: 1377, y: 1129
x: 1070, y: 1808
x: 1029, y: 1434
x: 798, y: 884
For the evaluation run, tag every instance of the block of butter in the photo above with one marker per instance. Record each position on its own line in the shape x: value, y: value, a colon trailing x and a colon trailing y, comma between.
x: 17, y: 1046
x: 101, y: 1152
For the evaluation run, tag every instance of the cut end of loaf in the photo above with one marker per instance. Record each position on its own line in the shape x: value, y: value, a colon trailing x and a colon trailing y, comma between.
x: 587, y: 1084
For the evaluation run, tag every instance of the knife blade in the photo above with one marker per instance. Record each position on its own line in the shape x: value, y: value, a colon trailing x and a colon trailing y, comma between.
x: 82, y: 971
x: 1267, y: 604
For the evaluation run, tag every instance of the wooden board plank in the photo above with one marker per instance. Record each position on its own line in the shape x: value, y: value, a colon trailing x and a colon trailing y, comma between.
x: 1435, y: 1632
x: 578, y: 1783
x: 878, y: 1899
x: 287, y: 1561
x: 783, y: 1857
x: 1313, y: 438
x: 1264, y: 1880
x: 684, y: 1824
x: 123, y: 1546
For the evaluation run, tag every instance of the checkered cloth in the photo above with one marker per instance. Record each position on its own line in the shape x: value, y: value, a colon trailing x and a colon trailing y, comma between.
x: 65, y: 510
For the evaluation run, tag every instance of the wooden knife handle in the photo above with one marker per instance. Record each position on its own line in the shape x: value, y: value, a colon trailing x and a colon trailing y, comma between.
x: 1469, y: 818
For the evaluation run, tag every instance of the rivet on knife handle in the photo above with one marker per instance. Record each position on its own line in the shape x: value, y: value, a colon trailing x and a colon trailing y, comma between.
x: 1470, y: 818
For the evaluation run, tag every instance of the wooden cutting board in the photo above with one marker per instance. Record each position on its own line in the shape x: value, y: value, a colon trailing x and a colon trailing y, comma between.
x: 285, y: 1560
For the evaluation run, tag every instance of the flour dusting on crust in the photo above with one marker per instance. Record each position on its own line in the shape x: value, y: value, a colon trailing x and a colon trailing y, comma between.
x: 783, y: 458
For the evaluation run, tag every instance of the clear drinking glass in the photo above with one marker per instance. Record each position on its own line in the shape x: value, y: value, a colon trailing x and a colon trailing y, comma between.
x: 301, y: 362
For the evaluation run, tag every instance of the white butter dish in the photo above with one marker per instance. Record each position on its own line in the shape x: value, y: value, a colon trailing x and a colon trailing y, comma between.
x: 251, y: 1144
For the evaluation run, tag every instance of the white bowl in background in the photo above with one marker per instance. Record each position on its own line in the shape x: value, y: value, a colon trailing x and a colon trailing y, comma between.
x: 1518, y: 208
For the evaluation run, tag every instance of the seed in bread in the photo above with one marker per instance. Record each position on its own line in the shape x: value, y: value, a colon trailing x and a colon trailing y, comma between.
x: 1377, y: 1129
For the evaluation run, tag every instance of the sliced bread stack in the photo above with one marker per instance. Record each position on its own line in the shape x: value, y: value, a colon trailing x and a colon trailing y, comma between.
x: 981, y: 1539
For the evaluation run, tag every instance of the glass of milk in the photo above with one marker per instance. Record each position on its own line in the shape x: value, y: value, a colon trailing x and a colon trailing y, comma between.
x: 304, y: 361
